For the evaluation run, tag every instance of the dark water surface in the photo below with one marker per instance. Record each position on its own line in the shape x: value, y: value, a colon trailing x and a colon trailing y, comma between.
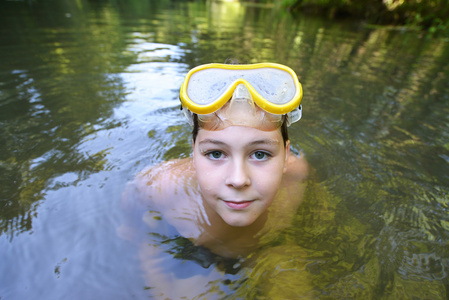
x: 89, y: 97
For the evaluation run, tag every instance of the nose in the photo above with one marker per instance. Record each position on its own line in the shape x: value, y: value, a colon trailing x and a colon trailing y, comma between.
x: 238, y: 174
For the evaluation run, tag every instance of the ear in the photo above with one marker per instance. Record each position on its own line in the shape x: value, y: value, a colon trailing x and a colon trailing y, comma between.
x: 287, y: 155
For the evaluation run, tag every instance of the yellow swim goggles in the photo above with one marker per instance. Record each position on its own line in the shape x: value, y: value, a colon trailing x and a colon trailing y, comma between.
x: 274, y: 87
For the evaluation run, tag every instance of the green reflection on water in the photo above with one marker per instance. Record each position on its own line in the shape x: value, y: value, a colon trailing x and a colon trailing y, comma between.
x: 56, y: 90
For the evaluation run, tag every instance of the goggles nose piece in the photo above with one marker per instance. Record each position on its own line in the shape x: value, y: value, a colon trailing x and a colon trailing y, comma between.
x: 242, y: 92
x: 241, y: 106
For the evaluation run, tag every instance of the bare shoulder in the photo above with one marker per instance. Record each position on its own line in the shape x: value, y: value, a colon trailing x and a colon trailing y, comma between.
x: 297, y: 169
x: 154, y: 193
x: 294, y: 181
x: 289, y: 197
x: 156, y: 187
x: 165, y: 172
x: 161, y: 183
x: 166, y: 191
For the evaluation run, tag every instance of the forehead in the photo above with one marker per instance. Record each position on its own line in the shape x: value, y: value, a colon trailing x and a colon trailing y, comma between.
x: 240, y: 112
x: 240, y: 135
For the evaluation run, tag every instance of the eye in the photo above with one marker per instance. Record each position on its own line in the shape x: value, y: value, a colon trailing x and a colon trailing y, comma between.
x: 215, y: 154
x: 260, y: 155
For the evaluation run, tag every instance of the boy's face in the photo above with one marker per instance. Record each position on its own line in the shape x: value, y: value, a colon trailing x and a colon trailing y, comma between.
x: 239, y: 171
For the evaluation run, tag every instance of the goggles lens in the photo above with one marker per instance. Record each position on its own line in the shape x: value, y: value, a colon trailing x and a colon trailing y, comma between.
x: 275, y: 88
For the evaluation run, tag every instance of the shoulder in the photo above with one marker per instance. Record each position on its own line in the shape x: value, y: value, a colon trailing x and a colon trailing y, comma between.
x: 166, y: 172
x: 297, y: 169
x: 294, y: 181
x: 153, y: 194
x: 162, y: 182
x: 158, y: 186
x: 290, y: 195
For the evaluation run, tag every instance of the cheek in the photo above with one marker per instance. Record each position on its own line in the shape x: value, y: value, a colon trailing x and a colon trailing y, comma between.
x: 268, y: 181
x: 205, y: 174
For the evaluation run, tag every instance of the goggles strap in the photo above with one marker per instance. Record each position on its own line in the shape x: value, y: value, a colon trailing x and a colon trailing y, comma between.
x: 188, y: 114
x: 294, y: 116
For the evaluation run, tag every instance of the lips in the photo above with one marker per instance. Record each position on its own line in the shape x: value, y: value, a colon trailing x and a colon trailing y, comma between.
x: 238, y: 204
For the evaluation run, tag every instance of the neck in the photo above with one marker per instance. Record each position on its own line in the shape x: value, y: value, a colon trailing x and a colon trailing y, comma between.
x: 230, y: 241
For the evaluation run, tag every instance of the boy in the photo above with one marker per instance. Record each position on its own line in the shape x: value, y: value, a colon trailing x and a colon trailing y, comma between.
x: 242, y: 184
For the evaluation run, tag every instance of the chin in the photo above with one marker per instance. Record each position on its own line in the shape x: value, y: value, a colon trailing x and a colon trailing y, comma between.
x: 238, y: 222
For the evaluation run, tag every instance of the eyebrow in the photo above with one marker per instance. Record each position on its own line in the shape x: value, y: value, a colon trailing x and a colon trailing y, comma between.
x: 256, y: 142
x: 211, y: 141
x: 265, y: 142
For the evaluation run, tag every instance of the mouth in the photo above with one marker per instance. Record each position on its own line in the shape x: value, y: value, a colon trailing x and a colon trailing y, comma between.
x: 238, y: 204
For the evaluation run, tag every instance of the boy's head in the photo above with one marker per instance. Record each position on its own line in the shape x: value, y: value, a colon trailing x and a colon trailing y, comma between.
x: 240, y: 116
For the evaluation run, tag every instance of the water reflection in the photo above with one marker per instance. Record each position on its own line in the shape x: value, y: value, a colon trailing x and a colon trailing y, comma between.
x: 89, y: 96
x: 52, y: 98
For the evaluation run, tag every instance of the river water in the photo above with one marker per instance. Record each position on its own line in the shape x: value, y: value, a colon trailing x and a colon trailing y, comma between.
x: 89, y: 97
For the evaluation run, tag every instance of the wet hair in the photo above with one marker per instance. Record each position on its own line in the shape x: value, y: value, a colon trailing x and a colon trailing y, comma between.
x: 283, y: 128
